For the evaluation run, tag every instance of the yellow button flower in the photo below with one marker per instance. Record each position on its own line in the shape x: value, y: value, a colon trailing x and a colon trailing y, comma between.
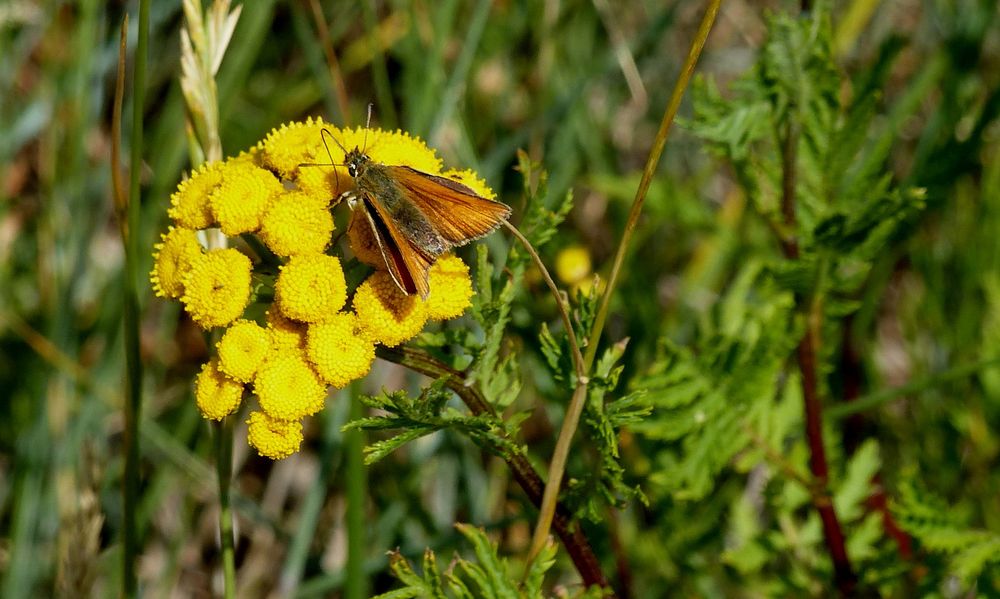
x: 340, y: 349
x: 311, y: 288
x: 573, y: 264
x: 217, y: 287
x: 387, y: 313
x: 242, y: 197
x: 471, y: 180
x: 242, y: 350
x: 292, y: 144
x: 321, y: 182
x: 172, y: 260
x: 284, y: 333
x: 251, y: 156
x: 451, y: 288
x: 189, y: 204
x: 296, y: 223
x: 386, y: 147
x: 216, y: 394
x: 273, y: 438
x: 288, y: 388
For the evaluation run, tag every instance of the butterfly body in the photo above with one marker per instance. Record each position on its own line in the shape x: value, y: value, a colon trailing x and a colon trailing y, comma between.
x: 415, y: 216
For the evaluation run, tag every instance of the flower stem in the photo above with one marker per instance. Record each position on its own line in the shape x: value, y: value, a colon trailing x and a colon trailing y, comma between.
x: 560, y: 302
x: 224, y: 468
x: 133, y: 362
x: 356, y: 587
x: 572, y: 537
x: 652, y: 161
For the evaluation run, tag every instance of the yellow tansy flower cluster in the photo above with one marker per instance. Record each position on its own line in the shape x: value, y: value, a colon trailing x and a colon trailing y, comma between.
x: 274, y: 207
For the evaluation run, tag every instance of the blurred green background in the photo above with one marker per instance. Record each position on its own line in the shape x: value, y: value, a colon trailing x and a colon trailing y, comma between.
x: 580, y: 86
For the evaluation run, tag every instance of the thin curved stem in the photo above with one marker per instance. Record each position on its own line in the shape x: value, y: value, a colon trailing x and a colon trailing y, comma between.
x: 647, y: 175
x: 557, y: 466
x: 578, y: 363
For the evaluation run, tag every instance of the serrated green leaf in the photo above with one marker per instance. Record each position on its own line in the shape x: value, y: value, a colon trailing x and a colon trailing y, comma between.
x: 856, y: 487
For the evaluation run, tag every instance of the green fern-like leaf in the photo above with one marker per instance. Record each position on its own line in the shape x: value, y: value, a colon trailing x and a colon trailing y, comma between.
x: 539, y: 221
x: 429, y: 413
x: 934, y: 524
x: 488, y: 575
x: 703, y: 398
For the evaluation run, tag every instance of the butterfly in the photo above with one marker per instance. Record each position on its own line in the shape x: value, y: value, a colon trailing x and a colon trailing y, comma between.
x: 415, y: 216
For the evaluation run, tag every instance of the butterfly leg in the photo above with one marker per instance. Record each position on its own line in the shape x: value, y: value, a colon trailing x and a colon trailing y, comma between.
x: 352, y: 200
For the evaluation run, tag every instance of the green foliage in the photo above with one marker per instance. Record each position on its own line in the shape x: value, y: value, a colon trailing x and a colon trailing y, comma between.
x: 973, y: 555
x: 604, y: 483
x: 489, y: 575
x: 426, y: 414
x: 693, y: 428
x: 703, y: 398
x: 759, y: 548
x: 788, y: 114
x: 497, y: 377
x: 539, y: 221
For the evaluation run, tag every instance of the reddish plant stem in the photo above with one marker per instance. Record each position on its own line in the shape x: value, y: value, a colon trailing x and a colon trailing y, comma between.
x: 569, y: 532
x: 844, y: 576
x: 854, y: 432
x: 843, y: 573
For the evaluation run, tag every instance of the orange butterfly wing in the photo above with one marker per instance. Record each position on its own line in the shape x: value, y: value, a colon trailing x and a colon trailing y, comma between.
x: 406, y: 263
x: 456, y: 212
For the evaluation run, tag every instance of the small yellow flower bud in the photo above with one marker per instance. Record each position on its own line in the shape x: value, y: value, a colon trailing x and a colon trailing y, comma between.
x: 189, y: 204
x: 451, y: 288
x: 292, y: 144
x: 340, y: 349
x: 242, y: 197
x: 573, y: 264
x: 217, y: 288
x: 387, y: 313
x: 273, y: 438
x: 288, y: 388
x: 172, y: 258
x: 216, y: 394
x: 296, y: 223
x: 311, y: 288
x: 284, y: 332
x: 242, y: 350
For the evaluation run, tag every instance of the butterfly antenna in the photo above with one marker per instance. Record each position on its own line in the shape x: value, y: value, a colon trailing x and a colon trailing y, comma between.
x: 368, y: 124
x: 323, y: 135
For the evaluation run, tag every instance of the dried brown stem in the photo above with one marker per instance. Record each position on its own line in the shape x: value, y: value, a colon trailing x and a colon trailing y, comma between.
x: 652, y: 162
x: 339, y: 88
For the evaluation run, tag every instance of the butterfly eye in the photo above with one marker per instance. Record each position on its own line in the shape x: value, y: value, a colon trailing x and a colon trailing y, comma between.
x: 353, y: 170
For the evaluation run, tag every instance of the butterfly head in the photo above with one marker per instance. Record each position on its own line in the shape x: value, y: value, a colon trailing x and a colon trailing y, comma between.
x: 357, y: 162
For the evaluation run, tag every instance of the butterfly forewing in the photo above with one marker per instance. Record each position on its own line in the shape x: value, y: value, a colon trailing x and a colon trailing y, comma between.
x: 407, y: 263
x: 456, y: 212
